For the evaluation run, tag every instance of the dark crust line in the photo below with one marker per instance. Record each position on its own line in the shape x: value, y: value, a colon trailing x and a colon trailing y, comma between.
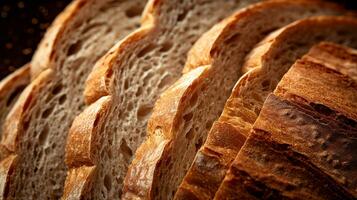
x: 323, y: 114
x: 262, y: 138
x: 319, y: 110
x: 307, y: 113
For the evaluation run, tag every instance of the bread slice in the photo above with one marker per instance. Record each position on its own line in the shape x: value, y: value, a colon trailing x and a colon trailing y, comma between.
x: 184, y: 113
x: 227, y: 134
x: 272, y: 58
x: 10, y: 89
x: 123, y: 87
x: 36, y: 129
x: 303, y: 142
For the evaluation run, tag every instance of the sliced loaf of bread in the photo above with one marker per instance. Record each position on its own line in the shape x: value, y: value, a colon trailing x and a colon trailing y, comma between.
x: 303, y: 144
x: 122, y: 89
x: 36, y: 129
x: 185, y: 112
x: 227, y: 135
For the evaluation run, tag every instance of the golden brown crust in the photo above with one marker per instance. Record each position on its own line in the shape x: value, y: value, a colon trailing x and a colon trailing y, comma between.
x: 335, y: 57
x: 82, y: 138
x: 12, y: 128
x: 221, y: 147
x: 81, y: 149
x: 6, y: 167
x: 271, y: 170
x: 80, y: 182
x: 143, y: 171
x: 10, y: 88
x: 309, y: 127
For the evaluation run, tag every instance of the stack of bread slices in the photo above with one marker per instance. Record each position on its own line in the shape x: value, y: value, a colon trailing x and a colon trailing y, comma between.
x: 185, y: 99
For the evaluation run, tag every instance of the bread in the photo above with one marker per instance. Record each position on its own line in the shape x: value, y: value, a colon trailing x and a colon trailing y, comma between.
x: 10, y: 89
x: 225, y: 137
x: 270, y: 60
x: 239, y: 114
x: 184, y: 113
x: 121, y: 91
x: 35, y: 131
x: 303, y: 144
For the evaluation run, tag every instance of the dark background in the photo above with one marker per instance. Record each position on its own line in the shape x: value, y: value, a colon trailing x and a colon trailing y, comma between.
x: 23, y: 23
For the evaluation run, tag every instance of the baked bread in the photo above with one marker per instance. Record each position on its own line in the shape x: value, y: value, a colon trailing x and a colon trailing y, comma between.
x: 123, y: 87
x: 10, y: 89
x: 225, y: 137
x: 220, y: 149
x: 36, y: 129
x: 303, y: 144
x: 184, y: 113
x: 271, y: 59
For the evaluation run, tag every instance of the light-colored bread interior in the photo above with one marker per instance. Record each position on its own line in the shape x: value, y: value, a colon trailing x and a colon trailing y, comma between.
x: 133, y: 75
x: 37, y: 128
x: 227, y: 135
x: 10, y: 89
x: 185, y: 112
x: 301, y: 143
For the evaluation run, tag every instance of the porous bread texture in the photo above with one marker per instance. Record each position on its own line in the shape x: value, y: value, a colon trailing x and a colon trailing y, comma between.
x: 10, y: 89
x: 131, y: 77
x: 185, y: 112
x: 271, y: 59
x: 225, y: 138
x: 302, y: 144
x: 35, y: 131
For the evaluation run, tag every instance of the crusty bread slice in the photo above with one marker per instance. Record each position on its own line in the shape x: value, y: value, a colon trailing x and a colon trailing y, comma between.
x: 123, y: 87
x: 184, y: 114
x: 227, y: 135
x: 303, y: 144
x: 36, y: 129
x: 10, y: 89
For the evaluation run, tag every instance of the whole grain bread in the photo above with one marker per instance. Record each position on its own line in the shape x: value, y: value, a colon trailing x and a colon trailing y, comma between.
x: 185, y: 112
x: 123, y: 87
x: 303, y: 144
x: 225, y: 138
x: 36, y: 129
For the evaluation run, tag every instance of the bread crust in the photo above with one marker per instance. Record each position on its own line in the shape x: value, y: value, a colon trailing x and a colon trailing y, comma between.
x: 97, y: 96
x: 166, y: 119
x: 40, y: 74
x: 12, y: 129
x: 45, y: 70
x: 298, y: 117
x: 10, y: 87
x: 101, y: 80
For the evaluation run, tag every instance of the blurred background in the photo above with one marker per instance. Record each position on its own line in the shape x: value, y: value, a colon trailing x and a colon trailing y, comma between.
x: 23, y: 23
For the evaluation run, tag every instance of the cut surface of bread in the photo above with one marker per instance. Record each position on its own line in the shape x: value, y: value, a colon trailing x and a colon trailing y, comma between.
x: 122, y: 88
x: 272, y: 58
x: 303, y: 144
x: 185, y: 112
x: 10, y: 89
x: 36, y: 129
x: 226, y: 136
